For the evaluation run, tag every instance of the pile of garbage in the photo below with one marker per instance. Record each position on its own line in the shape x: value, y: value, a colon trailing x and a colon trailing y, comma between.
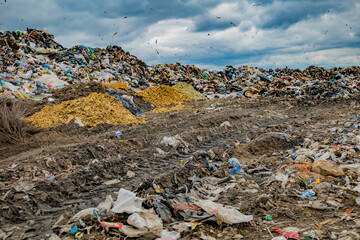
x: 173, y: 206
x: 31, y: 63
x: 331, y: 158
x: 127, y: 217
x: 252, y: 81
x: 90, y: 111
x: 170, y: 206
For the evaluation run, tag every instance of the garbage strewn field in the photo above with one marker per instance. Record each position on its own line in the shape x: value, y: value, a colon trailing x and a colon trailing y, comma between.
x: 95, y: 144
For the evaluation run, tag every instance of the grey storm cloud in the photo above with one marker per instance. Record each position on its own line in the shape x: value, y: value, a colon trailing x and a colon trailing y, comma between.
x: 206, y: 33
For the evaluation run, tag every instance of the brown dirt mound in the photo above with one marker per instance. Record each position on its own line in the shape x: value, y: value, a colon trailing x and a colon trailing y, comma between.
x: 269, y: 142
x: 264, y: 144
x: 75, y: 91
x: 84, y: 89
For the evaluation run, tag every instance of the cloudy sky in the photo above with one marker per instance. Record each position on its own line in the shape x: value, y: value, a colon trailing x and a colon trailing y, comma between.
x: 207, y: 33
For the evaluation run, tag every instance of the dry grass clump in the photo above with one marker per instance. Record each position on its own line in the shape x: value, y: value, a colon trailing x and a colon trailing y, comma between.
x: 12, y: 126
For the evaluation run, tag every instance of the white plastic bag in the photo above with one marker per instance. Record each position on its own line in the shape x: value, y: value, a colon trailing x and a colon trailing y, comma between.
x: 127, y: 202
x: 227, y: 214
x: 171, y: 141
x: 146, y: 220
x: 170, y: 235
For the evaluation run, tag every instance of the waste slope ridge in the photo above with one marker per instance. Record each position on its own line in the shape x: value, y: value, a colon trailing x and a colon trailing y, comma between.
x: 162, y: 96
x: 92, y: 110
x: 189, y: 90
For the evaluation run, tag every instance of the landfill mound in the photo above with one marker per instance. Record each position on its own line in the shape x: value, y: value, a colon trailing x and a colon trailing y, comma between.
x: 28, y: 57
x: 92, y: 110
x: 189, y: 90
x: 32, y: 64
x: 162, y: 96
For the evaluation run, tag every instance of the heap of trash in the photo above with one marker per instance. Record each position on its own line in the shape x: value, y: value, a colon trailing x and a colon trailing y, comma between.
x: 32, y: 63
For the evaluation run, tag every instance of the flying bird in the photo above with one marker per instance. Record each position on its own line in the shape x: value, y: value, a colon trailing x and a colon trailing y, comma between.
x: 232, y: 23
x: 115, y: 34
x: 125, y: 17
x: 156, y: 41
x: 255, y: 5
x: 218, y: 17
x: 157, y: 52
x: 105, y: 12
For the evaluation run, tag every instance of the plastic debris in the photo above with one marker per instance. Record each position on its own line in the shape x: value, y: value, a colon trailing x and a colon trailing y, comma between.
x: 111, y: 225
x: 307, y: 194
x: 127, y: 202
x: 118, y: 134
x: 226, y: 214
x: 74, y: 230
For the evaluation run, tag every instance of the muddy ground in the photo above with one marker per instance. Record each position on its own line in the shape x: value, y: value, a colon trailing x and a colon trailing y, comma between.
x: 83, y: 159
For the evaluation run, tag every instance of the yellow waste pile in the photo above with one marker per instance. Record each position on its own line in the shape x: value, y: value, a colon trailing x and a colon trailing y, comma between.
x: 162, y: 96
x: 178, y: 107
x: 189, y: 90
x: 117, y: 85
x: 92, y: 110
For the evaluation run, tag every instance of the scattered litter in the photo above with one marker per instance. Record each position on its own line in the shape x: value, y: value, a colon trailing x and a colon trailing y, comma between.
x: 226, y: 214
x: 308, y: 194
x: 127, y: 202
